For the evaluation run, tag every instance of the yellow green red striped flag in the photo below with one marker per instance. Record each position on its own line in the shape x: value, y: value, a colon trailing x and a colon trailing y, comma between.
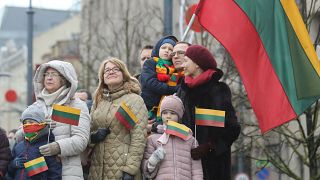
x: 36, y: 166
x: 177, y: 129
x: 210, y: 117
x: 66, y: 114
x: 280, y: 69
x: 126, y: 116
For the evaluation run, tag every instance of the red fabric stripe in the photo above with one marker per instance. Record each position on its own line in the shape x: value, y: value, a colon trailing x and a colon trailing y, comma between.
x: 37, y: 171
x: 209, y: 123
x: 176, y: 133
x: 65, y: 120
x: 231, y: 26
x: 123, y: 120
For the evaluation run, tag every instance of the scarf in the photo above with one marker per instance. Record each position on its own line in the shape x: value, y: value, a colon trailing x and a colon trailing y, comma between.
x: 175, y: 77
x: 55, y: 97
x: 199, y: 80
x: 33, y: 131
x: 164, y: 69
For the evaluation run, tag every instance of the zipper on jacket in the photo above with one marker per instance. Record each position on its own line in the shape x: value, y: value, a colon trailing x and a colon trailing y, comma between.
x: 174, y: 159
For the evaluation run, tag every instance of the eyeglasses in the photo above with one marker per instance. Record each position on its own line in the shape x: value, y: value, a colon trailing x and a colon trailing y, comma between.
x: 114, y: 70
x: 51, y: 74
x: 179, y: 53
x: 144, y: 58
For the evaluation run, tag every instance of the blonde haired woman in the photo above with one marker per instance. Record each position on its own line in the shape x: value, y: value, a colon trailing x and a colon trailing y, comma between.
x: 118, y: 152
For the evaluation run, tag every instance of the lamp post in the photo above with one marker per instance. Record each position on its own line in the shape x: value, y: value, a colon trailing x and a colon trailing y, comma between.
x: 30, y: 13
x: 168, y: 17
x: 3, y: 74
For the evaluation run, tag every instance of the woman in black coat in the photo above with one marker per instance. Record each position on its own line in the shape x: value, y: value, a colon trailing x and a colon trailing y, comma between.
x: 201, y: 88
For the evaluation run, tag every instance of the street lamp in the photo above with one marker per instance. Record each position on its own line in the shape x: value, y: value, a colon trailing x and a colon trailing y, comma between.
x: 30, y: 13
x: 3, y: 74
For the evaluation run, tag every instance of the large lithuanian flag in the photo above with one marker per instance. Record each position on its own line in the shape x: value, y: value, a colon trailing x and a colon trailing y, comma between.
x: 274, y: 55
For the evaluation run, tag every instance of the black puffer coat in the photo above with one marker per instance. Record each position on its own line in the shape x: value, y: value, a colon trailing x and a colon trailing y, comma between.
x: 5, y: 153
x: 212, y: 95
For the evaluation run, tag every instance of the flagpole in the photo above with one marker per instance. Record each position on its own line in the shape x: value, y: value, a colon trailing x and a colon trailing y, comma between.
x: 188, y: 27
x: 195, y: 134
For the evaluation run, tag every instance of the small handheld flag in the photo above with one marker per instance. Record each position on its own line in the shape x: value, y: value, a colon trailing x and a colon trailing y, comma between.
x: 126, y: 116
x: 66, y: 114
x: 36, y: 166
x: 210, y: 117
x: 177, y: 129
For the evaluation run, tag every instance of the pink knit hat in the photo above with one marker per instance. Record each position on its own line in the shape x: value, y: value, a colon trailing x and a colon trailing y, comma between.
x: 172, y: 103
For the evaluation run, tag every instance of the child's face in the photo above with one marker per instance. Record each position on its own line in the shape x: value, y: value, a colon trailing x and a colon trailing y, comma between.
x: 168, y: 115
x: 165, y: 51
x: 30, y: 121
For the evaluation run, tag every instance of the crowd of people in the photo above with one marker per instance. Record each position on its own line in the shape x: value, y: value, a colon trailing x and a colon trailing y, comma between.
x: 133, y: 127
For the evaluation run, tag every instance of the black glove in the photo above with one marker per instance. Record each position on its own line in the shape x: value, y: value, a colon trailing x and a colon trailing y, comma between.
x: 99, y: 135
x: 201, y: 151
x: 18, y: 162
x: 127, y: 176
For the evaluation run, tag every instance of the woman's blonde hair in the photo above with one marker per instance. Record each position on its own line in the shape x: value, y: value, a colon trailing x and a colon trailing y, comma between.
x: 123, y: 68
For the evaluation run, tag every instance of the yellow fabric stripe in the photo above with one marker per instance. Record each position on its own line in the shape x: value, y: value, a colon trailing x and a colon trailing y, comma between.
x: 130, y: 113
x: 296, y: 20
x: 178, y: 125
x: 66, y: 109
x: 210, y: 112
x: 33, y: 162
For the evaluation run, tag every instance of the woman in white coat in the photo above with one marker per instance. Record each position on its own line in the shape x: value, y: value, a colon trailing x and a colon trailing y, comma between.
x: 56, y: 82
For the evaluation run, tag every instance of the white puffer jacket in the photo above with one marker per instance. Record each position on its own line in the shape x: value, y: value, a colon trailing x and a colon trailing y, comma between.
x: 72, y: 139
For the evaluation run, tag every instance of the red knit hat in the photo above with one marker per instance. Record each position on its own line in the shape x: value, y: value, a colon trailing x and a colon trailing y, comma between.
x: 201, y: 56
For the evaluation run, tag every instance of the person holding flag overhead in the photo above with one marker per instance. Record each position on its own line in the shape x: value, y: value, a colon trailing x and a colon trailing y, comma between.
x: 28, y: 162
x: 208, y: 112
x: 168, y: 155
x: 118, y: 128
x: 55, y: 84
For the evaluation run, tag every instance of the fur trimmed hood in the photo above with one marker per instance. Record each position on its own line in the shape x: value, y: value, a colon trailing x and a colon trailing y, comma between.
x: 66, y: 69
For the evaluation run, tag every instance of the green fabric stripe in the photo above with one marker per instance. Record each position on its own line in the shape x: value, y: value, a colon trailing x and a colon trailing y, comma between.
x: 126, y: 116
x: 178, y: 130
x: 210, y: 117
x: 36, y: 166
x: 66, y: 115
x: 306, y: 78
x: 270, y: 21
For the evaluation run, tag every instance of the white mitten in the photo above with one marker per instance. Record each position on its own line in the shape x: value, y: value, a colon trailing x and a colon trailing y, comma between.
x: 157, y: 156
x: 160, y: 129
x: 50, y: 149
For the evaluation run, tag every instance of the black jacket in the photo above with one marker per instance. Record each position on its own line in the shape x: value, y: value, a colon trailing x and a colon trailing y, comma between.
x: 31, y: 151
x: 152, y: 88
x: 5, y: 153
x: 212, y: 95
